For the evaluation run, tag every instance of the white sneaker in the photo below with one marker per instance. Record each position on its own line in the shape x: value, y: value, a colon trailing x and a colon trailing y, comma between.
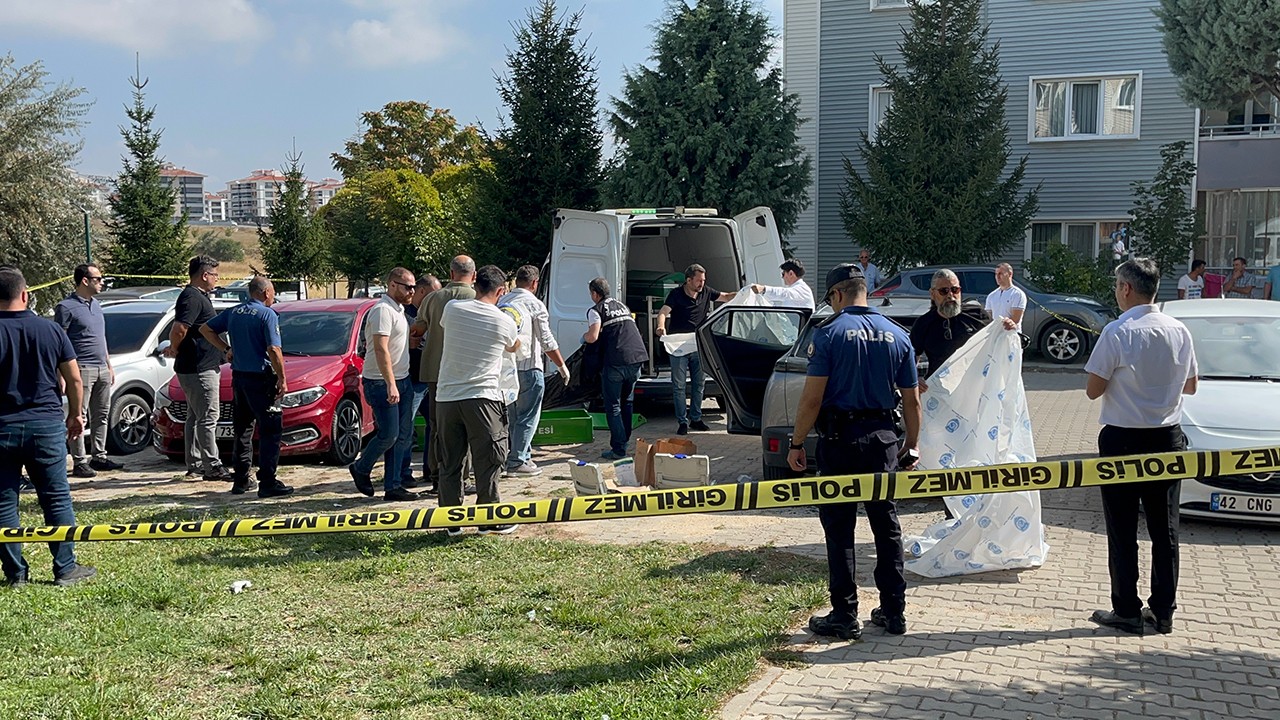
x: 497, y: 529
x: 454, y: 532
x: 527, y: 468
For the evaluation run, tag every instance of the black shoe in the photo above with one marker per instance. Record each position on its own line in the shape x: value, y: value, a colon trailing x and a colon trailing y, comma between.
x: 240, y: 488
x: 105, y: 465
x: 218, y: 475
x: 1112, y: 620
x: 683, y: 429
x: 496, y: 529
x: 837, y: 626
x: 468, y: 489
x: 16, y: 581
x: 26, y: 485
x: 433, y: 490
x: 83, y: 471
x: 364, y: 483
x: 277, y: 489
x: 699, y: 426
x: 1164, y: 626
x: 893, y: 624
x: 193, y: 474
x: 454, y: 532
x: 79, y: 573
x: 410, y: 483
x: 400, y: 495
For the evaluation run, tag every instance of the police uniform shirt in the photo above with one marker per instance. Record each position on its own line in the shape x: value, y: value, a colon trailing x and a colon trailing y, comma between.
x: 939, y: 338
x: 252, y: 327
x: 857, y: 351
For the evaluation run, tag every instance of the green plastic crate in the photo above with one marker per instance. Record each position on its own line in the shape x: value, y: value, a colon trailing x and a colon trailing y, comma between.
x: 419, y: 432
x: 563, y: 427
x: 600, y: 422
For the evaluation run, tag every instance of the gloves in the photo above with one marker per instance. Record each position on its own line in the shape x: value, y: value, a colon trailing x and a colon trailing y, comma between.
x: 564, y: 374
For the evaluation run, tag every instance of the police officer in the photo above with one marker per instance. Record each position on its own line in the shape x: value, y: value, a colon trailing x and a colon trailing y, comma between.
x: 859, y: 361
x: 622, y: 354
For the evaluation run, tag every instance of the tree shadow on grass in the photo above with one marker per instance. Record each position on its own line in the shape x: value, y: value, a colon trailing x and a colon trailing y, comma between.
x: 762, y: 566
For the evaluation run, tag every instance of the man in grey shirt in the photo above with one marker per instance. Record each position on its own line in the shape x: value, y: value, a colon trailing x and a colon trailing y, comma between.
x: 80, y: 315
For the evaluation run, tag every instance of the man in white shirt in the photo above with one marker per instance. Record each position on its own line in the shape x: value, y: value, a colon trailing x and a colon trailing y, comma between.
x: 535, y: 339
x: 387, y: 389
x: 869, y: 270
x: 1007, y: 302
x: 1141, y: 367
x: 795, y: 292
x: 469, y: 399
x: 1191, y: 285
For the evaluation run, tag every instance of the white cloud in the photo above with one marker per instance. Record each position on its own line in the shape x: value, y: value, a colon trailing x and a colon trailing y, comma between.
x: 146, y: 25
x: 398, y: 32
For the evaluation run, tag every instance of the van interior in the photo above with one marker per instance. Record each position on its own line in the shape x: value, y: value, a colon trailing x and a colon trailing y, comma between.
x: 657, y: 255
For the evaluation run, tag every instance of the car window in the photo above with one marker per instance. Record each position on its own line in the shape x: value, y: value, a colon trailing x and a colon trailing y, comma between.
x: 772, y: 330
x: 1235, y: 347
x: 361, y: 345
x: 126, y: 332
x: 978, y: 282
x: 315, y: 333
x: 922, y: 281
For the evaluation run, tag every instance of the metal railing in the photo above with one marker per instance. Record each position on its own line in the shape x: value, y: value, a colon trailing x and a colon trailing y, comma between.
x: 1242, y: 130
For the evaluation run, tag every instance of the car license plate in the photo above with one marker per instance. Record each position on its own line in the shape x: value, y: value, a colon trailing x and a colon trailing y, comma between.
x: 1223, y: 502
x: 224, y: 431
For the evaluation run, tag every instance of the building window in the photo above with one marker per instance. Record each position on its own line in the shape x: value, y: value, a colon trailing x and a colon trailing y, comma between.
x: 885, y: 4
x: 1085, y: 108
x: 881, y: 101
x: 1089, y: 238
x: 1240, y: 223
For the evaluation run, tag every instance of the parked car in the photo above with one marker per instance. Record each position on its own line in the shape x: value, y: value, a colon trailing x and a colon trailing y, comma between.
x: 137, y: 335
x: 1237, y: 405
x: 167, y: 293
x: 1055, y: 323
x: 324, y: 409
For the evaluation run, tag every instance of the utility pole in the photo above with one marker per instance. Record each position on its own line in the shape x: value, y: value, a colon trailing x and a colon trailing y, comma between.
x: 88, y: 248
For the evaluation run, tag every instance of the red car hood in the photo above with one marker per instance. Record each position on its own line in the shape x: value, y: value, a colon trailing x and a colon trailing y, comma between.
x: 302, y: 372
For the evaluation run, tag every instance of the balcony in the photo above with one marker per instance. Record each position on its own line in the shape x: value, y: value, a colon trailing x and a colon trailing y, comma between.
x: 1239, y: 156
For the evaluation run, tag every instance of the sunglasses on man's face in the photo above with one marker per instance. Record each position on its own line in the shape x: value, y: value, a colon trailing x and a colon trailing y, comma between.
x: 953, y: 290
x: 406, y: 286
x: 94, y: 278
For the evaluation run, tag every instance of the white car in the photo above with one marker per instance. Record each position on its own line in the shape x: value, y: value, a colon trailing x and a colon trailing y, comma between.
x: 1237, y: 344
x: 137, y: 335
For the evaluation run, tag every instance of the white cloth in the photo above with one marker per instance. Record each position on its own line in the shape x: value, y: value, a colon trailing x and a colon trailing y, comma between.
x: 477, y: 335
x: 872, y: 274
x: 1191, y: 289
x: 1001, y: 301
x: 1147, y: 358
x: 975, y: 413
x: 535, y: 328
x: 386, y: 318
x: 797, y: 295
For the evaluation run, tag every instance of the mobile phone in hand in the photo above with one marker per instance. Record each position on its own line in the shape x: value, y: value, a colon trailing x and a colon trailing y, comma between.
x: 908, y: 458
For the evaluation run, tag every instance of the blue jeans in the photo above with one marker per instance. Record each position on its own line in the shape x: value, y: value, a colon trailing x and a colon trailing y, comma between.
x: 524, y: 413
x: 419, y: 401
x: 41, y: 447
x: 394, y: 430
x: 618, y: 390
x: 681, y: 367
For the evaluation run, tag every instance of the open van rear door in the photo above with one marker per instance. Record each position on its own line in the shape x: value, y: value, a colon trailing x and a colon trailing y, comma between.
x: 584, y: 245
x: 739, y: 346
x: 759, y: 246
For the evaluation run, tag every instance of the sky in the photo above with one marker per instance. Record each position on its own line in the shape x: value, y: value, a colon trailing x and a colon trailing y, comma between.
x: 236, y: 83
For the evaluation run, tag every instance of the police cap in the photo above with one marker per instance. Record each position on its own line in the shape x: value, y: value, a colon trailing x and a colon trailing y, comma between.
x: 842, y: 272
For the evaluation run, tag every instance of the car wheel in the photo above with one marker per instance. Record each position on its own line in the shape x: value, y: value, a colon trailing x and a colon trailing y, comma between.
x: 1062, y: 343
x: 130, y: 425
x: 773, y: 472
x: 346, y: 438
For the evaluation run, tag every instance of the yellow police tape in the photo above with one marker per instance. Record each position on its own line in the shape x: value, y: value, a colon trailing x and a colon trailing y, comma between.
x: 714, y: 498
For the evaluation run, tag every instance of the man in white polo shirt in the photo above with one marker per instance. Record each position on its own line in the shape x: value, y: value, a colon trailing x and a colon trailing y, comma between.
x: 1007, y: 302
x: 471, y: 409
x: 1141, y: 367
x: 794, y: 292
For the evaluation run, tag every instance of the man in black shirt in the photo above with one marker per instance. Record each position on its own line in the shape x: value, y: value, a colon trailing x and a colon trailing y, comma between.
x: 688, y: 307
x: 610, y: 324
x: 198, y: 367
x: 939, y: 333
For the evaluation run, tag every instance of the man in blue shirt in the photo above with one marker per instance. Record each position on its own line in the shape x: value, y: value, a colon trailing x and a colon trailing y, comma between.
x: 859, y: 362
x: 33, y: 434
x: 257, y: 378
x: 80, y: 315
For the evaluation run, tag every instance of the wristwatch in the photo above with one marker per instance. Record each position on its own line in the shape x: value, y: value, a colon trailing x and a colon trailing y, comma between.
x: 796, y: 447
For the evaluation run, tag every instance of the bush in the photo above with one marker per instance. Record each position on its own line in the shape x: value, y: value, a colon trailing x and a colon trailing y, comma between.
x: 218, y: 245
x: 1063, y: 270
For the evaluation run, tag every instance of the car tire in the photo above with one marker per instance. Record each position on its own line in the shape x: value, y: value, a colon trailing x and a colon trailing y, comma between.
x: 129, y: 426
x: 773, y: 472
x: 1063, y: 344
x: 346, y: 433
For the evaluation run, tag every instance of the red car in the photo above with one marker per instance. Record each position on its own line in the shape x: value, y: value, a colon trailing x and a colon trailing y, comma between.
x: 324, y: 409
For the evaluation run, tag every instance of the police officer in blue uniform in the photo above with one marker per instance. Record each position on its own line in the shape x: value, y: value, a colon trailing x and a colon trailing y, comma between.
x: 859, y: 362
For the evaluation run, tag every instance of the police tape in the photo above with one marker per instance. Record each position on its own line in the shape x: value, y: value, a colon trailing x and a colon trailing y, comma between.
x: 802, y: 492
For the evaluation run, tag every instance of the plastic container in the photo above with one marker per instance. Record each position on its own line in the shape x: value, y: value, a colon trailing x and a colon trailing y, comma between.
x: 587, y: 479
x: 600, y: 421
x: 672, y: 472
x: 563, y: 427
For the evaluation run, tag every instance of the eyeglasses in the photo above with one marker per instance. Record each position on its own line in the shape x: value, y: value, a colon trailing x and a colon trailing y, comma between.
x: 946, y: 329
x: 953, y: 290
x: 405, y: 285
x: 94, y: 278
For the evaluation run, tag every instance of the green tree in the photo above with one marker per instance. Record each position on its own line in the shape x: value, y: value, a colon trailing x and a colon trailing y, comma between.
x: 547, y: 154
x: 145, y: 238
x: 465, y: 215
x: 709, y: 125
x: 937, y: 187
x: 1222, y: 51
x: 408, y: 135
x: 293, y: 245
x: 219, y: 245
x: 1069, y: 272
x: 40, y: 198
x: 1165, y: 223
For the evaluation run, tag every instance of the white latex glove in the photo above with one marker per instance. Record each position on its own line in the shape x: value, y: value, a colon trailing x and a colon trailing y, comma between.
x: 564, y: 374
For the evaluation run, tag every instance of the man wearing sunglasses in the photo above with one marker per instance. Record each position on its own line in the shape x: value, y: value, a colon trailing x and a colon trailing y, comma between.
x: 80, y: 315
x: 939, y: 333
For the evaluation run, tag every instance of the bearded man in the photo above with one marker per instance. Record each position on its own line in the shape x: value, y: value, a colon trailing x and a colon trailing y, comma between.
x: 948, y: 325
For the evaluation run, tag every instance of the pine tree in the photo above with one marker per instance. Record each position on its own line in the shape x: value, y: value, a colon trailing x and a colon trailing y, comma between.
x: 709, y: 125
x: 145, y: 238
x: 937, y: 188
x: 1223, y: 51
x: 293, y: 246
x: 547, y: 154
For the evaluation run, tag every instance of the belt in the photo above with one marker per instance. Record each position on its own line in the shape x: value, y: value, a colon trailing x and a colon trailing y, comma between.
x: 834, y: 415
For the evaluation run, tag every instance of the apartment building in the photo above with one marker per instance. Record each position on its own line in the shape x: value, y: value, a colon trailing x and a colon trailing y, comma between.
x: 215, y: 206
x: 1091, y: 100
x: 188, y: 189
x: 323, y: 191
x: 250, y: 199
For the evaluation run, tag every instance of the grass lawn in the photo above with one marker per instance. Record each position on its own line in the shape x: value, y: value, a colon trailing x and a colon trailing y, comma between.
x: 395, y: 625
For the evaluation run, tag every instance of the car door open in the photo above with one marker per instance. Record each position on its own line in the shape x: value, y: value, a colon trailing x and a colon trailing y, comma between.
x: 739, y: 346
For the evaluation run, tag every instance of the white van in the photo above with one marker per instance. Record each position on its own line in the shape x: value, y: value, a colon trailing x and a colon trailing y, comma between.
x: 643, y: 254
